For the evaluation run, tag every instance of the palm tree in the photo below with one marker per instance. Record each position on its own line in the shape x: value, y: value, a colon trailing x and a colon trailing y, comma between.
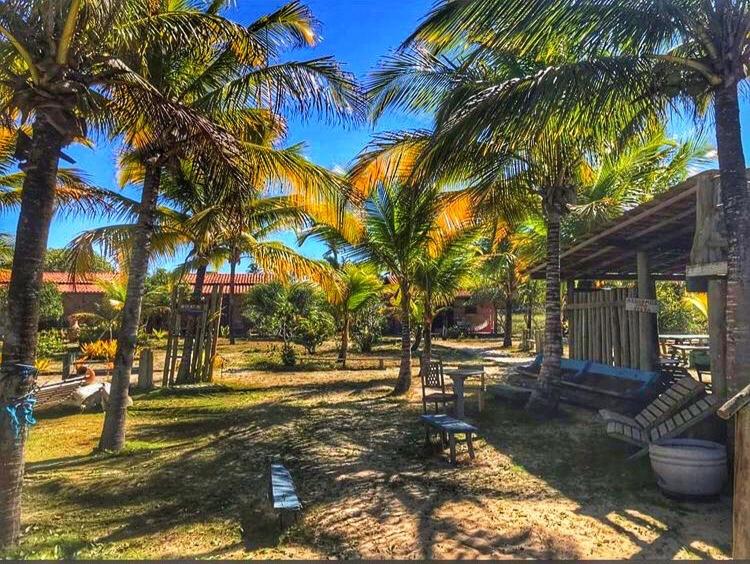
x: 210, y: 86
x: 398, y: 224
x: 358, y: 285
x: 442, y: 272
x: 668, y: 54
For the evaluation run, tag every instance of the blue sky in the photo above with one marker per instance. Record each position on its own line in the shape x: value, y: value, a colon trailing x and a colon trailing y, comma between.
x: 358, y: 33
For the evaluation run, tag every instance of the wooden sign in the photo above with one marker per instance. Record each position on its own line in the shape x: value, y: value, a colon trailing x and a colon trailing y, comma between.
x: 641, y: 305
x: 191, y: 309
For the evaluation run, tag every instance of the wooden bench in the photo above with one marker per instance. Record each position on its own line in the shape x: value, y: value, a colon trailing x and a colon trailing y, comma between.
x: 57, y: 392
x: 449, y: 427
x: 282, y: 493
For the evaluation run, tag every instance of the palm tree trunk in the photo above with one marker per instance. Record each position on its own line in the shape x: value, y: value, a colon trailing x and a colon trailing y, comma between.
x: 546, y: 398
x: 736, y: 202
x: 344, y: 338
x: 184, y: 376
x: 230, y: 313
x: 113, y: 433
x: 37, y: 207
x: 417, y: 339
x: 404, y: 374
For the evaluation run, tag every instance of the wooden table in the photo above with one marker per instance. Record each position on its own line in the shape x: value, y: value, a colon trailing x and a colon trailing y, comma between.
x: 458, y: 375
x: 685, y: 350
x: 669, y: 340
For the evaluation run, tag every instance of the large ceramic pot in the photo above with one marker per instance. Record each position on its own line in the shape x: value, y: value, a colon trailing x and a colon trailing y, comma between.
x: 689, y: 467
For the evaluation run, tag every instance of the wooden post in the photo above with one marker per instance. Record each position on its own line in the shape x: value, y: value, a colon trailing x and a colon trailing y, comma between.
x: 738, y: 407
x: 717, y: 331
x: 146, y: 370
x: 569, y: 313
x: 646, y: 338
x: 633, y: 332
x: 71, y: 353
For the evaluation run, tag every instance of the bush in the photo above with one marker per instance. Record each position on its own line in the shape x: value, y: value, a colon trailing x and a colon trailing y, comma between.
x: 100, y: 350
x: 295, y: 313
x: 288, y: 356
x: 368, y: 325
x: 50, y: 342
x: 313, y: 330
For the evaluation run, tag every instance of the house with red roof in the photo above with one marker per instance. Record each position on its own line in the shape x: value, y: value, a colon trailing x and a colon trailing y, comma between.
x: 84, y: 293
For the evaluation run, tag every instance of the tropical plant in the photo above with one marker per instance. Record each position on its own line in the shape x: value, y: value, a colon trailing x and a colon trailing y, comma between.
x: 99, y: 350
x: 51, y: 343
x: 367, y: 325
x: 50, y: 305
x: 358, y: 285
x: 58, y: 260
x: 315, y: 328
x: 442, y: 272
x: 53, y: 71
x: 680, y: 312
x: 296, y: 312
x: 399, y: 223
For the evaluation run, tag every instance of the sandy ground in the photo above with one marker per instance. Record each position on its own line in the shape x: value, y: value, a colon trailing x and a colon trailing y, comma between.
x: 192, y: 482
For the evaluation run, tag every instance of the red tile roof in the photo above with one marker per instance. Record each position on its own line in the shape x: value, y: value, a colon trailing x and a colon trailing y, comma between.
x: 83, y: 284
x: 242, y: 281
x: 87, y: 283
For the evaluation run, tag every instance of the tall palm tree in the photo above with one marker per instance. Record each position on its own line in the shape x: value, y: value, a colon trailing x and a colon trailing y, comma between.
x: 687, y: 54
x: 398, y: 224
x: 211, y: 86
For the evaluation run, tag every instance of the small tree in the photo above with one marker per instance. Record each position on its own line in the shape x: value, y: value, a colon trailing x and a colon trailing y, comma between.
x: 292, y: 312
x: 368, y: 323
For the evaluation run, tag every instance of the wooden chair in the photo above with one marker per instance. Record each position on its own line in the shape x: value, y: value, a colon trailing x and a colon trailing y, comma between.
x: 662, y: 408
x: 433, y: 386
x: 672, y: 427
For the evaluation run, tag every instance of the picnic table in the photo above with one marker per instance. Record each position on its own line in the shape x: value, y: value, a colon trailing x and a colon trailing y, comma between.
x: 667, y: 340
x: 685, y: 350
x: 459, y: 375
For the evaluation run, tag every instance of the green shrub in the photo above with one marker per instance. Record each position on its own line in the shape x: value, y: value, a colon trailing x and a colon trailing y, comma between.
x: 288, y: 355
x: 50, y: 306
x: 368, y: 325
x: 296, y: 313
x: 50, y: 342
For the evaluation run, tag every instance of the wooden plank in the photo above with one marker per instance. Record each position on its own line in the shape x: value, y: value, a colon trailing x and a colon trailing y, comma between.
x: 741, y: 505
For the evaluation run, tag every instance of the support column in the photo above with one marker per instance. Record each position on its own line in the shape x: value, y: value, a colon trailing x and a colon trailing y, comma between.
x: 717, y: 333
x: 647, y: 337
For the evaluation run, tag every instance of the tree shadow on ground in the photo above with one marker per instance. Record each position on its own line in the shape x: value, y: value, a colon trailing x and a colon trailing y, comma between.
x: 369, y: 487
x: 591, y: 469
